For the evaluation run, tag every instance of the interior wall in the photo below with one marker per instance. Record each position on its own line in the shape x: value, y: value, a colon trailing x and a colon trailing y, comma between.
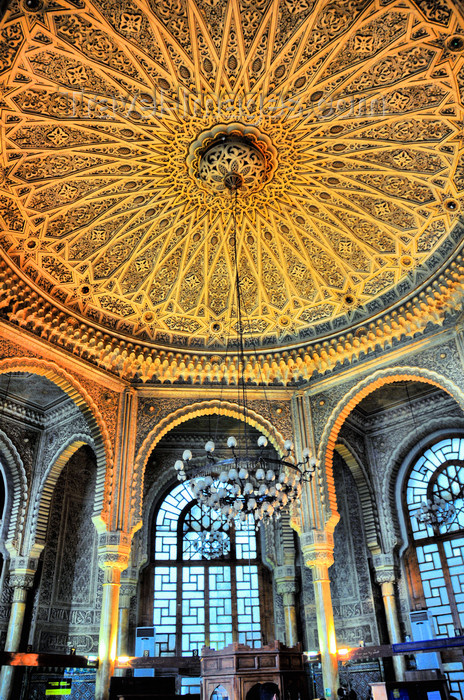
x: 66, y: 610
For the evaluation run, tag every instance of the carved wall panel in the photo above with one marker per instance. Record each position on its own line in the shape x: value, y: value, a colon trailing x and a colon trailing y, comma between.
x: 67, y: 608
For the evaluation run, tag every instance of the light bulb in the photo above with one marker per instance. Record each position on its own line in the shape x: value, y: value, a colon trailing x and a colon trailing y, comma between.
x: 186, y: 455
x: 306, y: 453
x: 179, y: 465
x: 231, y: 442
x: 233, y: 474
x: 243, y: 474
x: 209, y: 447
x: 270, y: 476
x: 208, y: 480
x: 288, y: 444
x: 223, y: 477
x: 260, y: 474
x: 262, y: 441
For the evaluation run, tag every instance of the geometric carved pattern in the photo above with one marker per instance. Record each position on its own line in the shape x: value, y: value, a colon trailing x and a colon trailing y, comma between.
x: 97, y: 207
x: 202, y: 593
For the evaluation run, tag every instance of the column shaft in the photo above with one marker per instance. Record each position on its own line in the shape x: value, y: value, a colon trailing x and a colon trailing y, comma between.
x: 291, y: 633
x: 393, y: 625
x: 326, y: 630
x: 13, y: 638
x: 108, y: 632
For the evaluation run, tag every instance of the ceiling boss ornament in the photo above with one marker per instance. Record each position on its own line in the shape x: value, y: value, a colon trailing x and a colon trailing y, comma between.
x: 229, y: 148
x: 107, y: 112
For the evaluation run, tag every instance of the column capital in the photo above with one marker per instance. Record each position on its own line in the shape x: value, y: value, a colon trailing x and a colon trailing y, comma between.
x: 385, y: 569
x: 22, y: 572
x: 285, y: 579
x: 317, y: 547
x: 114, y: 551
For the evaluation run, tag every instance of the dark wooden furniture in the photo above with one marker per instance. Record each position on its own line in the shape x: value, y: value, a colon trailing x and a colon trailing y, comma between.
x: 238, y: 672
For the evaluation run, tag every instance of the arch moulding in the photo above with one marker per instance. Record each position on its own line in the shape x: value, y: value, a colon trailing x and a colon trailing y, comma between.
x: 402, y: 460
x: 370, y: 517
x: 87, y: 406
x: 181, y: 415
x: 17, y: 500
x: 47, y: 487
x: 362, y: 389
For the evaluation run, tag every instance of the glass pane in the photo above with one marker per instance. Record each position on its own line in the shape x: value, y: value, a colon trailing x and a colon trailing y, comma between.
x: 447, y: 488
x: 249, y: 626
x: 245, y: 538
x: 164, y: 610
x: 205, y: 534
x: 435, y: 591
x: 220, y: 607
x: 193, y: 609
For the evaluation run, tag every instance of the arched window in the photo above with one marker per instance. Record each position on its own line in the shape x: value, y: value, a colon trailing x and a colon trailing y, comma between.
x: 207, y: 578
x: 435, y: 505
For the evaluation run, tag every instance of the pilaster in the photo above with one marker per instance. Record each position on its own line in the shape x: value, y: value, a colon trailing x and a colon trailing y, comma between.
x: 285, y: 578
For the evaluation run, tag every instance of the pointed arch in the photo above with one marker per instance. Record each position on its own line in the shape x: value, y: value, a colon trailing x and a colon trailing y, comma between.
x: 366, y: 496
x: 405, y: 455
x: 41, y: 508
x: 358, y: 392
x: 84, y: 402
x: 186, y: 413
x: 17, y: 494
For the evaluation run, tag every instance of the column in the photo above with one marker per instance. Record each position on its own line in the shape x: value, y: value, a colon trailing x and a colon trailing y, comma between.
x: 317, y: 550
x: 284, y: 577
x: 21, y: 579
x: 385, y: 576
x: 113, y: 558
x: 126, y: 593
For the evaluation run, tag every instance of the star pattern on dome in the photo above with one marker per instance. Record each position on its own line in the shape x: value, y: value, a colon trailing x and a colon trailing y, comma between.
x: 101, y: 103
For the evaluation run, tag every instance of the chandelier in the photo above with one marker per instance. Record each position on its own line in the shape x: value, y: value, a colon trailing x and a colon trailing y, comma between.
x: 248, y: 483
x: 436, y: 512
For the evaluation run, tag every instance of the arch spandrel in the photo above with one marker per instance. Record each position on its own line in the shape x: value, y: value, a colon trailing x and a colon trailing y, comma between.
x: 351, y: 399
x: 186, y: 413
x: 91, y: 412
x: 43, y: 498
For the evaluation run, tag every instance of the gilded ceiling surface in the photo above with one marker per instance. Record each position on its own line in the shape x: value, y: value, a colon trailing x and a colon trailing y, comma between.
x: 105, y: 107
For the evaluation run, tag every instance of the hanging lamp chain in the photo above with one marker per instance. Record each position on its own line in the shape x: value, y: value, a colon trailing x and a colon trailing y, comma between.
x: 245, y: 485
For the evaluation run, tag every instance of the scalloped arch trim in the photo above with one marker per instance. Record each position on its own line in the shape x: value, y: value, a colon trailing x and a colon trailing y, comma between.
x: 346, y: 405
x: 186, y: 413
x: 17, y: 481
x: 47, y: 486
x: 83, y: 401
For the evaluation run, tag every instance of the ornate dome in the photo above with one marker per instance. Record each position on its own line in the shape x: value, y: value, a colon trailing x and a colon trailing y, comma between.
x: 351, y: 111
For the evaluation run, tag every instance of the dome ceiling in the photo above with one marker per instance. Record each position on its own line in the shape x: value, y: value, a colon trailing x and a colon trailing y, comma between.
x: 355, y: 106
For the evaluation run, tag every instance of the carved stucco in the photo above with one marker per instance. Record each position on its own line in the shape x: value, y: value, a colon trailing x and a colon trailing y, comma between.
x: 67, y: 609
x: 363, y: 104
x: 183, y: 410
x: 97, y: 403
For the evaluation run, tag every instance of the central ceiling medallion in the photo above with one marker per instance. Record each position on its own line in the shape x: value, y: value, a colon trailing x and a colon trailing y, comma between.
x: 232, y: 148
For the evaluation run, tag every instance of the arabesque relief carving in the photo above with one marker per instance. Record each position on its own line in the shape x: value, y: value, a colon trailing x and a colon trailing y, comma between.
x: 100, y: 212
